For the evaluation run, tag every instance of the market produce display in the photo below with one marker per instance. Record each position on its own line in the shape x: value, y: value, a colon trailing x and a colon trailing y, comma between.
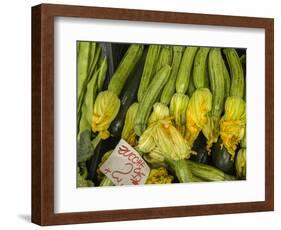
x: 181, y: 108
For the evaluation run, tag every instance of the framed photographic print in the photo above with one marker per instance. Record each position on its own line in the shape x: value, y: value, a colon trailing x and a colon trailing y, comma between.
x: 142, y: 114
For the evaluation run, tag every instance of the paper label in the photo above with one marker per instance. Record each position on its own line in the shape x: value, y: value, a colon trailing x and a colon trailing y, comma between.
x: 125, y: 166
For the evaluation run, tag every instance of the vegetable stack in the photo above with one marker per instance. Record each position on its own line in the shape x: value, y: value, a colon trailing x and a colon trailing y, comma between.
x: 173, y: 104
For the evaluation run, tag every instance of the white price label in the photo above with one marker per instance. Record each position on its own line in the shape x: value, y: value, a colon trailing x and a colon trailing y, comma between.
x: 125, y: 166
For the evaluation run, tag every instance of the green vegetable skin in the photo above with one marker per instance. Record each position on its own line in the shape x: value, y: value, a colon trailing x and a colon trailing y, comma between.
x: 200, y: 68
x: 124, y: 69
x: 90, y: 96
x: 181, y: 169
x: 185, y: 69
x: 170, y: 87
x: 150, y: 98
x: 149, y: 69
x: 128, y: 97
x: 216, y: 81
x: 208, y: 172
x: 236, y: 71
x: 165, y: 58
x: 83, y: 63
x: 221, y: 159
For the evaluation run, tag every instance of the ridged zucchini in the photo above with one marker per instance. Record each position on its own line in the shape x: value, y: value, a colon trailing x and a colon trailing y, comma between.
x: 208, y: 172
x: 128, y: 97
x: 200, y: 68
x: 185, y: 69
x: 191, y: 88
x: 149, y: 98
x: 149, y: 69
x: 125, y: 67
x: 83, y: 64
x: 226, y: 80
x: 165, y: 57
x: 181, y: 169
x: 236, y: 72
x: 170, y: 87
x: 216, y: 81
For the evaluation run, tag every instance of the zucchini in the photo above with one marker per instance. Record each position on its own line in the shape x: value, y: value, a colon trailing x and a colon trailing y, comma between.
x: 181, y: 170
x: 221, y: 159
x: 207, y: 172
x: 191, y: 88
x: 124, y: 69
x: 165, y: 57
x: 83, y: 64
x: 200, y: 68
x: 128, y: 97
x: 149, y: 69
x: 236, y: 72
x: 226, y: 80
x: 150, y: 97
x: 170, y: 87
x: 199, y: 146
x: 216, y: 81
x: 185, y: 69
x: 102, y: 147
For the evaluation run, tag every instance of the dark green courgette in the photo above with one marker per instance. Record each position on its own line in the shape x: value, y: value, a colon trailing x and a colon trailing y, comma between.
x: 128, y: 97
x: 102, y: 147
x: 222, y: 159
x: 199, y: 146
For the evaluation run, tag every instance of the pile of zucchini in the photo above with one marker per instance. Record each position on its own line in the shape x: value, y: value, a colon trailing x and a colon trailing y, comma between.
x: 182, y: 108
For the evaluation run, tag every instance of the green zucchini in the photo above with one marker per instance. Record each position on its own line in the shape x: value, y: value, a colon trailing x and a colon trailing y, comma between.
x: 128, y: 97
x: 149, y: 69
x: 181, y: 169
x: 200, y: 68
x: 149, y: 98
x: 221, y: 159
x: 236, y: 72
x: 216, y: 81
x: 208, y: 172
x: 83, y: 64
x: 170, y: 87
x: 165, y: 57
x: 185, y: 68
x: 226, y: 80
x: 191, y: 88
x: 125, y: 67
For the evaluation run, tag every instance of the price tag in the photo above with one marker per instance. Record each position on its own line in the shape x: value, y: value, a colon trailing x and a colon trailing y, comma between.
x: 125, y: 166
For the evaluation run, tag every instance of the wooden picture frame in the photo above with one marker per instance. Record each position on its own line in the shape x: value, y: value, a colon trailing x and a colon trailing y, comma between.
x: 43, y: 113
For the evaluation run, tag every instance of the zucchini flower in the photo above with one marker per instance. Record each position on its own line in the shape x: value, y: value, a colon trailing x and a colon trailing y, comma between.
x: 160, y: 112
x: 106, y: 107
x: 233, y: 124
x: 155, y: 157
x: 159, y: 176
x: 178, y: 107
x: 200, y: 104
x: 128, y: 132
x: 167, y: 139
x: 147, y: 140
x: 240, y: 163
x: 170, y: 141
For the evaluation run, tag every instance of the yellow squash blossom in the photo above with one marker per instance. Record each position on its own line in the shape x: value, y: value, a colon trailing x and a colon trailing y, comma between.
x: 233, y: 124
x: 200, y: 104
x: 106, y: 107
x: 159, y: 176
x: 160, y: 112
x: 128, y: 132
x: 178, y: 107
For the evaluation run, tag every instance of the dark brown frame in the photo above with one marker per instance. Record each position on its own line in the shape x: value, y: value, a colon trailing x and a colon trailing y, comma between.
x: 43, y: 113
